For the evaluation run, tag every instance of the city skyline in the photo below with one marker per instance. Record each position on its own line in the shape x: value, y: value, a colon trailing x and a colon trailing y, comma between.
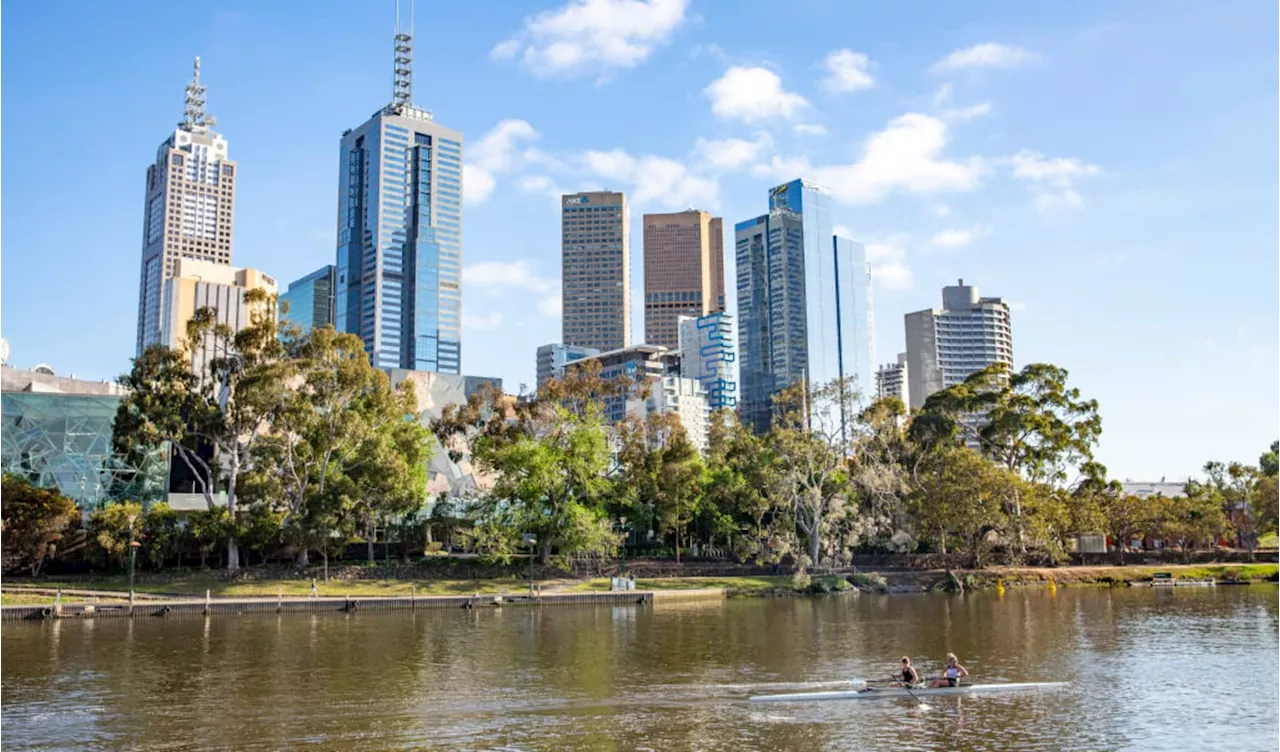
x: 1046, y: 199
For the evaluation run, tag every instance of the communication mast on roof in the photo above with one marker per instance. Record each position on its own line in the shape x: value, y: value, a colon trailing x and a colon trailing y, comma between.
x: 402, y: 83
x: 194, y: 117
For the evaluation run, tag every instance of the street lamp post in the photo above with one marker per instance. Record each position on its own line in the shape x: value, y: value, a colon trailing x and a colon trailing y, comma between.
x: 133, y: 555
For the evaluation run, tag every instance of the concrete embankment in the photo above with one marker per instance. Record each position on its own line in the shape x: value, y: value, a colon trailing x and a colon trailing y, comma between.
x: 174, y: 607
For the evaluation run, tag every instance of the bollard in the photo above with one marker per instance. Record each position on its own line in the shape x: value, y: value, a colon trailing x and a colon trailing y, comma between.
x: 206, y: 602
x: 57, y: 603
x: 279, y: 600
x: 413, y: 597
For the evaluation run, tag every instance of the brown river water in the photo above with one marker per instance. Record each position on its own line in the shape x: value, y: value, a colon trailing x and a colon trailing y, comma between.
x: 1177, y: 669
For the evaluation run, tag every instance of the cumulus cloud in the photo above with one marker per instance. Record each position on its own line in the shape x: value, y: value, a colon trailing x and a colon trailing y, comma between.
x: 958, y: 237
x: 847, y: 71
x: 888, y: 259
x: 963, y: 114
x: 494, y: 153
x: 655, y: 180
x: 905, y: 156
x: 753, y: 94
x: 541, y: 185
x: 731, y: 153
x: 1052, y: 180
x: 810, y: 129
x: 507, y: 275
x: 550, y: 305
x: 593, y: 37
x: 941, y: 210
x: 988, y: 55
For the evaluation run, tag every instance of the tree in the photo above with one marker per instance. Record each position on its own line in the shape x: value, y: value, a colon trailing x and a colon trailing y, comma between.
x: 1127, y: 516
x: 959, y: 500
x: 1232, y: 485
x: 1266, y: 504
x: 1269, y: 462
x: 1029, y: 422
x: 1192, y: 520
x: 208, y: 528
x: 258, y: 527
x: 34, y: 519
x: 743, y: 481
x: 220, y: 392
x: 113, y: 528
x: 810, y: 439
x: 161, y: 534
x: 388, y: 474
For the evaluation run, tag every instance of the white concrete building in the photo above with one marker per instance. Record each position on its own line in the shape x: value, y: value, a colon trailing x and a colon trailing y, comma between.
x: 945, y: 346
x: 891, y: 381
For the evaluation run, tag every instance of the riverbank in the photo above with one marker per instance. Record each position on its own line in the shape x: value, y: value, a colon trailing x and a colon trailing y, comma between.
x: 216, y: 585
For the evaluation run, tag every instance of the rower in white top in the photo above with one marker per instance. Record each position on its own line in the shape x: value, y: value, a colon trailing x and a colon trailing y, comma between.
x: 951, y: 675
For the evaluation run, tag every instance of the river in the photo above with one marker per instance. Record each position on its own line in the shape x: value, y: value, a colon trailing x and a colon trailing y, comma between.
x: 1151, y: 670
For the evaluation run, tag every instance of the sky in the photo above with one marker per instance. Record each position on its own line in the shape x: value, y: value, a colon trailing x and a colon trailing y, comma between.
x: 1109, y: 168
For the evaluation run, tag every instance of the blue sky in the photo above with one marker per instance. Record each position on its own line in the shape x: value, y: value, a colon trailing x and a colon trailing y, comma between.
x: 1108, y: 167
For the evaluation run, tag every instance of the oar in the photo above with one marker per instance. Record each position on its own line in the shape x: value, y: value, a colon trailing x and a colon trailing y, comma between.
x: 913, y: 694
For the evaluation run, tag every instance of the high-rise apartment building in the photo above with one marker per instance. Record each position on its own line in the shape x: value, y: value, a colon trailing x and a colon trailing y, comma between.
x: 707, y: 355
x: 190, y: 206
x: 596, y: 270
x: 399, y: 256
x: 309, y: 300
x: 554, y: 357
x: 945, y: 346
x: 804, y: 301
x: 199, y: 284
x: 683, y: 271
x: 891, y: 381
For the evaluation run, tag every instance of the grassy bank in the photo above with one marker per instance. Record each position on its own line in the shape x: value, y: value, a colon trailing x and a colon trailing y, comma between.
x: 1119, y: 575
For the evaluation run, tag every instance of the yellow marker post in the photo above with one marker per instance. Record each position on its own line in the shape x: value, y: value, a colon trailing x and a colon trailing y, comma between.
x: 1000, y: 588
x: 1053, y: 588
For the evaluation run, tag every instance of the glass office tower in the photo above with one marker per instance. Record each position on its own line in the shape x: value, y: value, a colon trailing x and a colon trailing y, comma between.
x: 804, y: 305
x: 310, y: 300
x: 399, y: 276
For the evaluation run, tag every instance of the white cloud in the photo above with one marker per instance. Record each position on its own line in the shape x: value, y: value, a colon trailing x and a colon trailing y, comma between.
x: 964, y: 114
x: 507, y: 275
x: 731, y: 153
x: 810, y: 129
x: 942, y: 96
x: 1052, y: 179
x: 541, y: 184
x: 656, y: 180
x: 783, y: 168
x: 906, y: 156
x: 483, y: 322
x: 888, y: 259
x: 989, y: 55
x: 550, y: 305
x: 593, y: 36
x: 752, y: 94
x: 847, y: 71
x: 941, y: 210
x: 958, y: 237
x: 494, y: 153
x: 1059, y: 171
x: 477, y: 184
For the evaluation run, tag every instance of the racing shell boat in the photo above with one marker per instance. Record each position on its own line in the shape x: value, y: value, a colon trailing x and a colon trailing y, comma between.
x: 866, y: 693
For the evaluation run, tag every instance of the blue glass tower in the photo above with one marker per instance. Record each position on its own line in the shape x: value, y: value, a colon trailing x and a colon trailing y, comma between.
x: 310, y: 300
x: 399, y: 275
x: 804, y: 305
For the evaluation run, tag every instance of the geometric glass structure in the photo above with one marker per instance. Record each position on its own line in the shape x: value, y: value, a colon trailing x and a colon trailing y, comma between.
x: 63, y: 441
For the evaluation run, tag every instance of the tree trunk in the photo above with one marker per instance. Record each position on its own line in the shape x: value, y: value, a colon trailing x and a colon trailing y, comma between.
x: 368, y: 540
x: 233, y: 546
x: 544, y: 552
x: 325, y: 553
x: 304, y: 558
x: 815, y: 546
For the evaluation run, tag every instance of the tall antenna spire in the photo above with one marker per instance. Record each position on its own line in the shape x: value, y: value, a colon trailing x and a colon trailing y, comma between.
x: 194, y: 117
x: 402, y: 86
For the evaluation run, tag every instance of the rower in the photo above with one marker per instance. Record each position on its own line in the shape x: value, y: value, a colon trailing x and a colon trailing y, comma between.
x: 951, y: 675
x: 906, y: 677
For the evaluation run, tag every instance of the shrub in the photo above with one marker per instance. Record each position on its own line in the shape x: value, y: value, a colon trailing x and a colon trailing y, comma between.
x: 869, y: 581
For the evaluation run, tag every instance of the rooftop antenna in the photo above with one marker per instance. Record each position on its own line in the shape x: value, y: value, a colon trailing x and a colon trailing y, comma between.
x: 402, y: 84
x: 194, y: 117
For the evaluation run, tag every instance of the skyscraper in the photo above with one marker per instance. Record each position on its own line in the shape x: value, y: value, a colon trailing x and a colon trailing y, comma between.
x: 310, y: 299
x: 399, y: 275
x: 596, y: 270
x: 945, y: 346
x: 191, y: 194
x: 199, y: 284
x: 804, y: 301
x: 891, y: 381
x: 707, y: 355
x: 683, y: 271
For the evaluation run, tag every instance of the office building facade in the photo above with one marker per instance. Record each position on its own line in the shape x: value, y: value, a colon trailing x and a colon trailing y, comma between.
x: 945, y: 346
x: 595, y: 270
x: 554, y: 357
x: 891, y: 381
x: 804, y: 301
x: 189, y: 210
x: 707, y: 354
x: 202, y: 284
x: 683, y: 271
x: 308, y: 303
x: 399, y: 254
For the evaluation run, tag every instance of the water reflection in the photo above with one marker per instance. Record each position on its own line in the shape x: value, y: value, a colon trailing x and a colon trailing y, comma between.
x: 660, y: 677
